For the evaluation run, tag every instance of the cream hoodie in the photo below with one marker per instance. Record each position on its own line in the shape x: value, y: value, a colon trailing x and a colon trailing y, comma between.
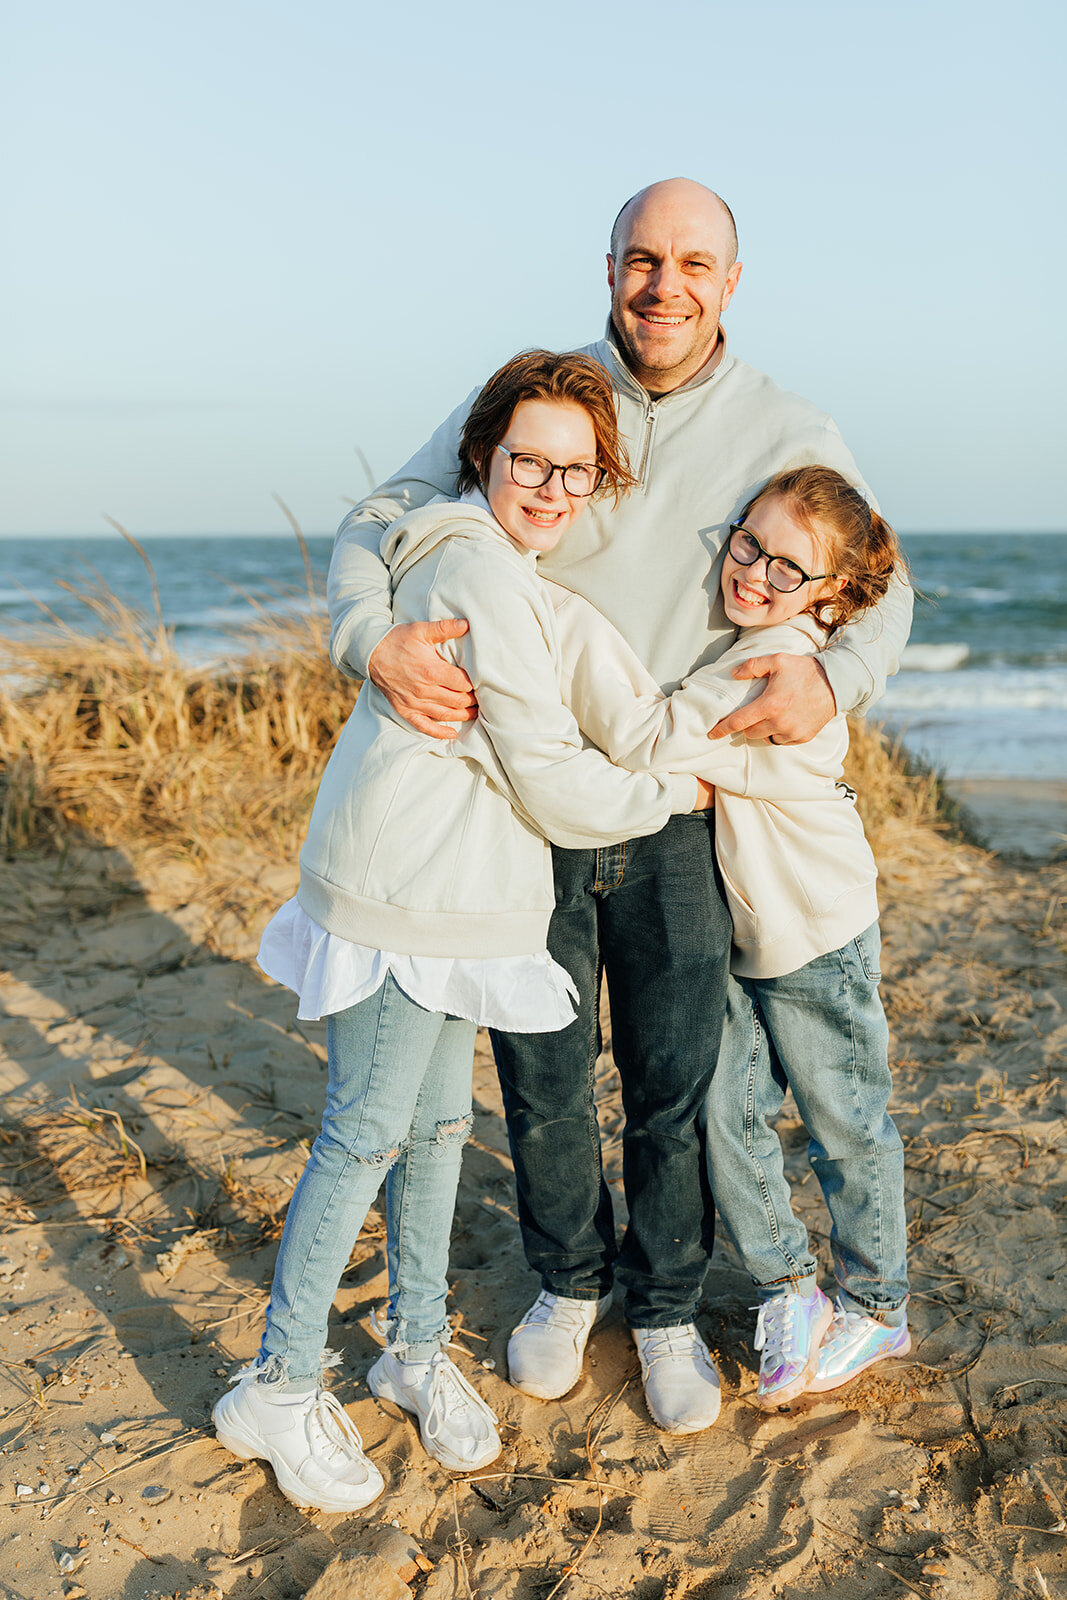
x: 432, y: 848
x: 798, y: 872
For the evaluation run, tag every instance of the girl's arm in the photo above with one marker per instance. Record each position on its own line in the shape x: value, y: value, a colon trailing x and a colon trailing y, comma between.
x: 620, y: 707
x: 525, y: 738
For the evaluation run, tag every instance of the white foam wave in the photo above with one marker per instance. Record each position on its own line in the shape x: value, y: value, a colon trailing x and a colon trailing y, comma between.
x: 976, y: 691
x: 933, y: 657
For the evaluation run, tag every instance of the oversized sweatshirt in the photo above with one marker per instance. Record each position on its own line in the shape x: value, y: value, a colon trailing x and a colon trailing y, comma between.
x: 427, y: 847
x: 650, y: 565
x: 798, y: 872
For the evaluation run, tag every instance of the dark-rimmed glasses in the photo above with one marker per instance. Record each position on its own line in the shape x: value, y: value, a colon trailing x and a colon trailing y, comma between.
x: 529, y: 471
x: 782, y: 574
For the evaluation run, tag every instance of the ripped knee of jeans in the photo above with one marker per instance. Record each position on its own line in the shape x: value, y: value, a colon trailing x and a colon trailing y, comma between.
x: 380, y: 1159
x: 456, y: 1131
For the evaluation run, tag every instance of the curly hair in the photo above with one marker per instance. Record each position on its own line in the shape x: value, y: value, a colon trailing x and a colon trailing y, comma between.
x: 857, y: 543
x: 567, y: 379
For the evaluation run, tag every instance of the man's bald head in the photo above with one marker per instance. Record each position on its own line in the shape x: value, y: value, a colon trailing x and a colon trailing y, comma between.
x: 672, y: 270
x: 701, y: 202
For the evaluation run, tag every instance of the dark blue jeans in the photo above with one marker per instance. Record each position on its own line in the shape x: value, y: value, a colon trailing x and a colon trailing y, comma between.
x: 650, y: 915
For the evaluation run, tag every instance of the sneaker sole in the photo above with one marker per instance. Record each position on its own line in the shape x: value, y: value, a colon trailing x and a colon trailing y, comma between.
x: 823, y: 1386
x: 802, y: 1383
x: 246, y: 1447
x: 381, y: 1388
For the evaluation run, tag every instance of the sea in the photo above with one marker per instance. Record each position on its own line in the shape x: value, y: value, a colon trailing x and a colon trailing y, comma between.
x: 981, y: 694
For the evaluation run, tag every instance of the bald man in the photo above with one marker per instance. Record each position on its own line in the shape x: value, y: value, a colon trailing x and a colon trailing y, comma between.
x: 704, y: 431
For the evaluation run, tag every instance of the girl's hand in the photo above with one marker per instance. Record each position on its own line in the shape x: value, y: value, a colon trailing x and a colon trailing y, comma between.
x: 796, y: 704
x: 705, y: 795
x: 420, y: 685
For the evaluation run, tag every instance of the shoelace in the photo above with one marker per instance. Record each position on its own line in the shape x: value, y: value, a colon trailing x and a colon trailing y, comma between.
x: 548, y: 1308
x: 776, y: 1325
x: 668, y: 1342
x: 449, y: 1391
x: 340, y: 1434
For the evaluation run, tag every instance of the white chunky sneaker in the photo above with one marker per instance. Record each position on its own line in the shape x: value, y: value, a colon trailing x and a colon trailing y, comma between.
x: 306, y: 1435
x: 545, y: 1351
x: 789, y: 1331
x: 681, y: 1383
x: 456, y: 1426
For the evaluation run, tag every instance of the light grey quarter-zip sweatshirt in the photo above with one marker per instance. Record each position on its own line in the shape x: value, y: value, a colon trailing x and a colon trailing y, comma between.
x: 650, y: 565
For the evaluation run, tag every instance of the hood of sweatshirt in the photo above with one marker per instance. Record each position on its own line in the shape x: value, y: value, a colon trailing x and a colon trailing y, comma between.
x: 415, y: 535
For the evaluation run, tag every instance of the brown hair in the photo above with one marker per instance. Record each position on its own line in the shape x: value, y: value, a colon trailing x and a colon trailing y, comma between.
x: 567, y: 379
x: 857, y: 543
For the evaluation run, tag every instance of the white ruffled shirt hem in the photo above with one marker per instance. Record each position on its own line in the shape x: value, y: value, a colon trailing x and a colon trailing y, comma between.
x: 517, y: 994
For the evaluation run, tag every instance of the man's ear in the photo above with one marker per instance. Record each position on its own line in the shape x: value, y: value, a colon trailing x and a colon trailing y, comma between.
x: 611, y: 272
x: 731, y: 284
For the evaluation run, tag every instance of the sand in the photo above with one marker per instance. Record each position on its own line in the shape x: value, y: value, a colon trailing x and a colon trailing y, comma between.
x: 158, y: 1100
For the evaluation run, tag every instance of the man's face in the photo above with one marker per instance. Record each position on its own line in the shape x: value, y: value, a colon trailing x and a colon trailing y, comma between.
x: 669, y: 284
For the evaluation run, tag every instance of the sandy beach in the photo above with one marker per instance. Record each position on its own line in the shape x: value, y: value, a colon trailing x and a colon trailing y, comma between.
x: 158, y: 1102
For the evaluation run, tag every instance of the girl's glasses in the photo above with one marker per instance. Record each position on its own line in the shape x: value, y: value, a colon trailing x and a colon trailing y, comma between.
x: 782, y: 574
x: 581, y: 478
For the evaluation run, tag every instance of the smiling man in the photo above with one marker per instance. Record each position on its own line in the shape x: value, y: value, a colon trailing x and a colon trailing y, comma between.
x: 672, y: 271
x: 704, y: 431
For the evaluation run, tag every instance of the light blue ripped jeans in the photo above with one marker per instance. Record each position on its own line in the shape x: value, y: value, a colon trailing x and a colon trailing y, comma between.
x: 398, y: 1109
x: 821, y: 1032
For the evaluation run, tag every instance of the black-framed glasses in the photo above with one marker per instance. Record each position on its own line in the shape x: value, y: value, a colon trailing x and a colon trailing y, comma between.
x: 530, y: 471
x: 782, y: 574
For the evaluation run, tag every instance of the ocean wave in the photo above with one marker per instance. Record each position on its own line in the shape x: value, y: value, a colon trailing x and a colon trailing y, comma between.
x: 933, y: 657
x: 975, y: 692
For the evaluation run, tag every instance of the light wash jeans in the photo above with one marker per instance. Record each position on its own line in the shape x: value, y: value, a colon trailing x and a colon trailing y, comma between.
x: 821, y: 1032
x: 398, y: 1108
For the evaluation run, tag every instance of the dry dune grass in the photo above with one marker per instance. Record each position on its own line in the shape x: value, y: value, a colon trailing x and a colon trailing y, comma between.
x: 110, y: 734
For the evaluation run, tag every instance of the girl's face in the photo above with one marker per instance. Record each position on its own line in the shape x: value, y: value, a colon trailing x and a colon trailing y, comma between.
x: 749, y: 599
x: 559, y: 433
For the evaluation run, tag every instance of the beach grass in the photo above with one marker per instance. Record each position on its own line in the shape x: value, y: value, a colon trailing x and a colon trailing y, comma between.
x: 107, y: 734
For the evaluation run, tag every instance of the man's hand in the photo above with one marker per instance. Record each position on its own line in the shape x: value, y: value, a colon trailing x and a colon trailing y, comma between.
x: 796, y: 704
x: 705, y: 795
x: 423, y: 688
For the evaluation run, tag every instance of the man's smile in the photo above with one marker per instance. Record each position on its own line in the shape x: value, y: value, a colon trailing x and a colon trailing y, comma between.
x: 661, y: 319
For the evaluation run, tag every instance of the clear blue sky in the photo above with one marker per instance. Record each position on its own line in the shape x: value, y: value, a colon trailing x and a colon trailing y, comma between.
x: 247, y: 236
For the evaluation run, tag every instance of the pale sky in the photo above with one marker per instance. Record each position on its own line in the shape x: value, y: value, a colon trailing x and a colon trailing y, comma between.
x: 247, y: 238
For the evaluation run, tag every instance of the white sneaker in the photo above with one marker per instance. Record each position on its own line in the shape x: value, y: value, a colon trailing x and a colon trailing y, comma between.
x: 545, y: 1351
x: 309, y: 1439
x: 681, y: 1383
x: 456, y: 1426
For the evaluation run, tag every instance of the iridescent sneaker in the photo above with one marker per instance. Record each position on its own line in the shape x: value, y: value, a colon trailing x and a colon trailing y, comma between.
x: 789, y: 1330
x: 854, y: 1343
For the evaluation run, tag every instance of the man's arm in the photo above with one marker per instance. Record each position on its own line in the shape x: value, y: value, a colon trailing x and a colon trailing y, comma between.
x: 621, y: 708
x: 802, y: 694
x: 419, y: 685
